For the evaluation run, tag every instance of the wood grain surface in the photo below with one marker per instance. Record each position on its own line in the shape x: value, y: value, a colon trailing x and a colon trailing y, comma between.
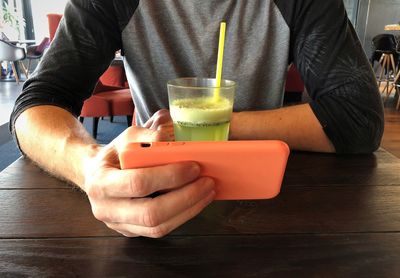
x: 352, y: 255
x: 336, y: 216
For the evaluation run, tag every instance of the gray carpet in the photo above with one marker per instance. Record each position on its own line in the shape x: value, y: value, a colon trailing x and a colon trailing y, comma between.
x: 8, y: 149
x: 106, y: 133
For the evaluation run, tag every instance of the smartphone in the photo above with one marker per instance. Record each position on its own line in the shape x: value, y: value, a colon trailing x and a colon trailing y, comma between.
x: 242, y: 170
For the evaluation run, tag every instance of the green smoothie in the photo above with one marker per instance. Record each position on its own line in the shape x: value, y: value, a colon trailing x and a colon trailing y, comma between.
x: 201, y: 119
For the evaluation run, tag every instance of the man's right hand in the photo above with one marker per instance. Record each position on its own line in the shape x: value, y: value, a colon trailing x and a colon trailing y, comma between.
x: 120, y: 198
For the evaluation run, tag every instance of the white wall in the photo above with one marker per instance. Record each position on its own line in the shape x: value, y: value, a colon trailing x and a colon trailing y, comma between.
x: 40, y: 8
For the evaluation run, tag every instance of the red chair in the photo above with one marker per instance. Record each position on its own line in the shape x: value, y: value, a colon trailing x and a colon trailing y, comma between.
x: 111, y: 96
x: 115, y: 76
x: 54, y: 21
x: 294, y: 83
x: 107, y: 101
x: 294, y: 86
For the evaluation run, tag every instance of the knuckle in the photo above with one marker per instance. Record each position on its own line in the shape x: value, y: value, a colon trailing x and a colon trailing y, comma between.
x: 138, y: 186
x: 161, y: 113
x: 157, y: 232
x: 161, y: 117
x: 99, y: 213
x: 95, y: 191
x: 158, y: 136
x: 191, y: 198
x: 128, y: 234
x: 110, y: 226
x: 162, y: 127
x: 150, y: 218
x: 166, y: 127
x: 156, y: 121
x: 158, y: 113
x: 172, y: 177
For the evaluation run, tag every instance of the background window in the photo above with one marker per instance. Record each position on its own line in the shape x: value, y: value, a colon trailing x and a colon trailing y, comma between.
x: 352, y: 9
x: 39, y: 13
x: 12, y: 22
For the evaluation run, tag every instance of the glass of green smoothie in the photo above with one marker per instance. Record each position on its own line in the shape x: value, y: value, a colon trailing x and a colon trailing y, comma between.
x: 200, y: 110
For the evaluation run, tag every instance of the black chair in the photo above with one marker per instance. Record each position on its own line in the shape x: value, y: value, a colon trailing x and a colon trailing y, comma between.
x: 36, y: 51
x: 385, y: 46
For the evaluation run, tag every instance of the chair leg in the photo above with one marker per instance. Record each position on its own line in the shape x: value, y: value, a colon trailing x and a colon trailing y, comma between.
x: 398, y: 100
x: 15, y: 72
x: 129, y: 119
x: 111, y: 119
x: 393, y: 64
x: 388, y: 93
x: 397, y: 88
x: 24, y: 68
x: 383, y: 65
x: 397, y: 78
x: 95, y: 125
x: 29, y: 65
x: 81, y: 119
x: 387, y: 75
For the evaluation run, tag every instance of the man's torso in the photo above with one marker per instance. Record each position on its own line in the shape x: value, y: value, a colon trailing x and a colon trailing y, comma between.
x: 179, y: 38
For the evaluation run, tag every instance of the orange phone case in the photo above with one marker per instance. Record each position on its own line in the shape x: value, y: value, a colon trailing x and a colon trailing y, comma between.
x: 241, y: 169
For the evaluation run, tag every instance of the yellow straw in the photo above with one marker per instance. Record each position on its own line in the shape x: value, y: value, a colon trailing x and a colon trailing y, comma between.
x: 220, y: 60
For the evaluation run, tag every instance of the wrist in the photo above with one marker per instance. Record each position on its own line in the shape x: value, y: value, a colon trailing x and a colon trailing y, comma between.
x: 234, y: 126
x: 88, y: 162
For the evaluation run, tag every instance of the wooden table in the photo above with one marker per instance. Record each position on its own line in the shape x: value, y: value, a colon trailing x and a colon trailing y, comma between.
x: 336, y: 216
x: 27, y: 42
x: 392, y: 27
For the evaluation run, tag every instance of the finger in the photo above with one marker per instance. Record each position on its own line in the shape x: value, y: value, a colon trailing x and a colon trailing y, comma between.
x: 122, y: 232
x: 148, y: 123
x: 165, y: 228
x: 166, y: 127
x: 166, y: 132
x: 160, y: 117
x: 152, y: 212
x: 162, y: 120
x: 134, y: 183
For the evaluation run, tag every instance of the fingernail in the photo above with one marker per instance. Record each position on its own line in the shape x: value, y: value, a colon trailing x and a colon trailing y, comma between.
x: 209, y: 182
x: 195, y: 170
x: 211, y: 196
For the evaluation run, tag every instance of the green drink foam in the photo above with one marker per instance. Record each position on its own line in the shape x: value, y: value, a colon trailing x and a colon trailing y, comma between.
x: 204, y: 110
x: 201, y: 118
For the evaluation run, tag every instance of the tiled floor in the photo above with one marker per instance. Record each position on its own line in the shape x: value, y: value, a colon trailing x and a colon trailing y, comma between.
x: 9, y: 91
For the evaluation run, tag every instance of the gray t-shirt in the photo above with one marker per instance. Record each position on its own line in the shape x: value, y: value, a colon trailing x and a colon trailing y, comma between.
x: 166, y: 39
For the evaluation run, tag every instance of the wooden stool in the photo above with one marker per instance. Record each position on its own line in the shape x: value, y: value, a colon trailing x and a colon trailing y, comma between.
x: 396, y: 84
x: 388, y: 65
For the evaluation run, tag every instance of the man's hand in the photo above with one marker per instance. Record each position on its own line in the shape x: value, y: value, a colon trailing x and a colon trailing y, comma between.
x: 162, y: 121
x: 119, y: 198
